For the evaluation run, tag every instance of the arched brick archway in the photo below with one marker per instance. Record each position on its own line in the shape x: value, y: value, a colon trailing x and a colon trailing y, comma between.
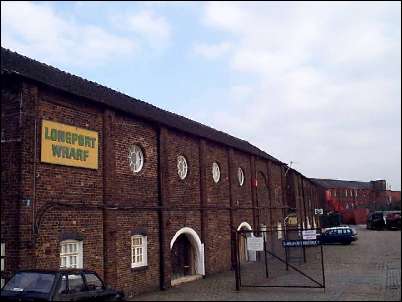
x: 245, y: 255
x: 187, y: 254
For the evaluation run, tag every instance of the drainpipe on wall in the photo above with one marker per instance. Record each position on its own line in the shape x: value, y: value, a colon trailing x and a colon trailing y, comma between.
x: 304, y: 218
x: 34, y: 95
x: 163, y: 195
x: 253, y: 191
x: 283, y: 191
x: 203, y: 201
x: 34, y: 182
x: 231, y: 200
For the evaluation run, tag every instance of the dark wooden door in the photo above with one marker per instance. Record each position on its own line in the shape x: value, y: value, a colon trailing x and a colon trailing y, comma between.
x: 182, y: 258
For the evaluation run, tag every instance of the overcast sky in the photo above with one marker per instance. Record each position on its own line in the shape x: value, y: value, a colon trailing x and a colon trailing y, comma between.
x: 315, y: 83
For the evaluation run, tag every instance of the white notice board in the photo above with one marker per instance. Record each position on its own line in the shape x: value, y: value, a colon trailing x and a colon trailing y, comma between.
x: 255, y: 244
x: 309, y: 234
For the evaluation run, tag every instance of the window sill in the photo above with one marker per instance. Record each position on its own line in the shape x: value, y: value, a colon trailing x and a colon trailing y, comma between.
x: 139, y: 268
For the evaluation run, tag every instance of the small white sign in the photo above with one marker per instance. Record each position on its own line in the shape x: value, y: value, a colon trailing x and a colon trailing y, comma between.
x: 309, y: 234
x: 318, y: 211
x: 255, y: 244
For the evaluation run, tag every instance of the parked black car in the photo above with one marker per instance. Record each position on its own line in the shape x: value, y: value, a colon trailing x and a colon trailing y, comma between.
x: 63, y: 285
x: 340, y: 234
x: 375, y: 221
x: 381, y: 220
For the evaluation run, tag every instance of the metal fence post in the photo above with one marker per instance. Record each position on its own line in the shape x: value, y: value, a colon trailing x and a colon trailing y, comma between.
x: 237, y: 265
x: 286, y: 249
x: 322, y: 263
x: 265, y: 254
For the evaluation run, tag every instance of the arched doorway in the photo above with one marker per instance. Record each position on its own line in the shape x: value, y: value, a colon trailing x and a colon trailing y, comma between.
x: 187, y: 256
x: 183, y: 258
x: 244, y: 255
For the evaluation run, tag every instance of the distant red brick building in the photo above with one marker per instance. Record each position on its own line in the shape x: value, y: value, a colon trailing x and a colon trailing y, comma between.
x: 394, y: 199
x: 354, y: 199
x: 394, y: 196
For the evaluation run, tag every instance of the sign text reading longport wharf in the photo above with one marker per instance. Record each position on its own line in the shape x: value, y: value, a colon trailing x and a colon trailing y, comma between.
x: 68, y: 145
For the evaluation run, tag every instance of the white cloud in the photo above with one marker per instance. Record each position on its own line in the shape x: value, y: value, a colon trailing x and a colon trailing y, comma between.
x: 35, y: 29
x: 211, y: 51
x: 327, y: 90
x: 155, y: 29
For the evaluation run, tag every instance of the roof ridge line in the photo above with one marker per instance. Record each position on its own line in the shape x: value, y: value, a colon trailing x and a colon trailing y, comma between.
x: 110, y: 92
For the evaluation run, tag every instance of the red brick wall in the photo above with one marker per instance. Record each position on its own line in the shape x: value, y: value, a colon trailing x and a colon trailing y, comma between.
x: 135, y: 188
x: 184, y: 193
x: 242, y: 194
x: 363, y: 199
x: 218, y: 222
x: 128, y: 189
x: 277, y: 194
x: 263, y: 199
x: 68, y: 185
x: 395, y: 196
x: 31, y: 184
x: 338, y: 200
x: 134, y: 281
x: 344, y: 200
x: 360, y: 215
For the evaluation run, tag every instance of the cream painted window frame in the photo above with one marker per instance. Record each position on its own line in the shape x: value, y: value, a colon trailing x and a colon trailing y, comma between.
x: 71, y: 254
x: 139, y: 251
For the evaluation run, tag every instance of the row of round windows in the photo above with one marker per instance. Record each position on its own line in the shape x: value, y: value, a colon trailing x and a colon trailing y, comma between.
x: 136, y: 162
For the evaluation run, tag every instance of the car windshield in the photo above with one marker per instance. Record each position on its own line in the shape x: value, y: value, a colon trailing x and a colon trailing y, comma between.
x: 30, y: 281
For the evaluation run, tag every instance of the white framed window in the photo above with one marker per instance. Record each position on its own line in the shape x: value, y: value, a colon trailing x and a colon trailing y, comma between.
x: 135, y: 158
x: 71, y: 254
x: 3, y: 257
x: 240, y: 176
x: 216, y: 172
x: 182, y: 166
x: 139, y: 251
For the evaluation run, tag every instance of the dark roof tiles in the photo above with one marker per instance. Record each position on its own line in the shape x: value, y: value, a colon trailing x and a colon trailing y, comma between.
x: 15, y: 63
x: 338, y: 184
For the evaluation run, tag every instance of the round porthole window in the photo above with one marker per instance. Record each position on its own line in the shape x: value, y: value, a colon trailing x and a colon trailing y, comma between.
x: 135, y: 158
x: 182, y: 166
x: 240, y: 176
x: 216, y: 173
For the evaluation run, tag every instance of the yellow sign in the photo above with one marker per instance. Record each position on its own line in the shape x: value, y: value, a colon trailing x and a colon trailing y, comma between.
x: 70, y: 146
x: 291, y: 220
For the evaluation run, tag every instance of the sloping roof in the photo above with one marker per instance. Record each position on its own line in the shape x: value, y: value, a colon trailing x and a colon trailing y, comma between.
x: 14, y: 63
x: 335, y: 183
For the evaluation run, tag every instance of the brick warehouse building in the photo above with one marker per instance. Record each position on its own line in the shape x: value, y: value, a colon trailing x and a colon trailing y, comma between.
x: 93, y: 178
x: 354, y: 199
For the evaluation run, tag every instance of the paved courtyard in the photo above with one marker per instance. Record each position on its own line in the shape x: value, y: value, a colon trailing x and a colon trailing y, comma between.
x: 368, y: 269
